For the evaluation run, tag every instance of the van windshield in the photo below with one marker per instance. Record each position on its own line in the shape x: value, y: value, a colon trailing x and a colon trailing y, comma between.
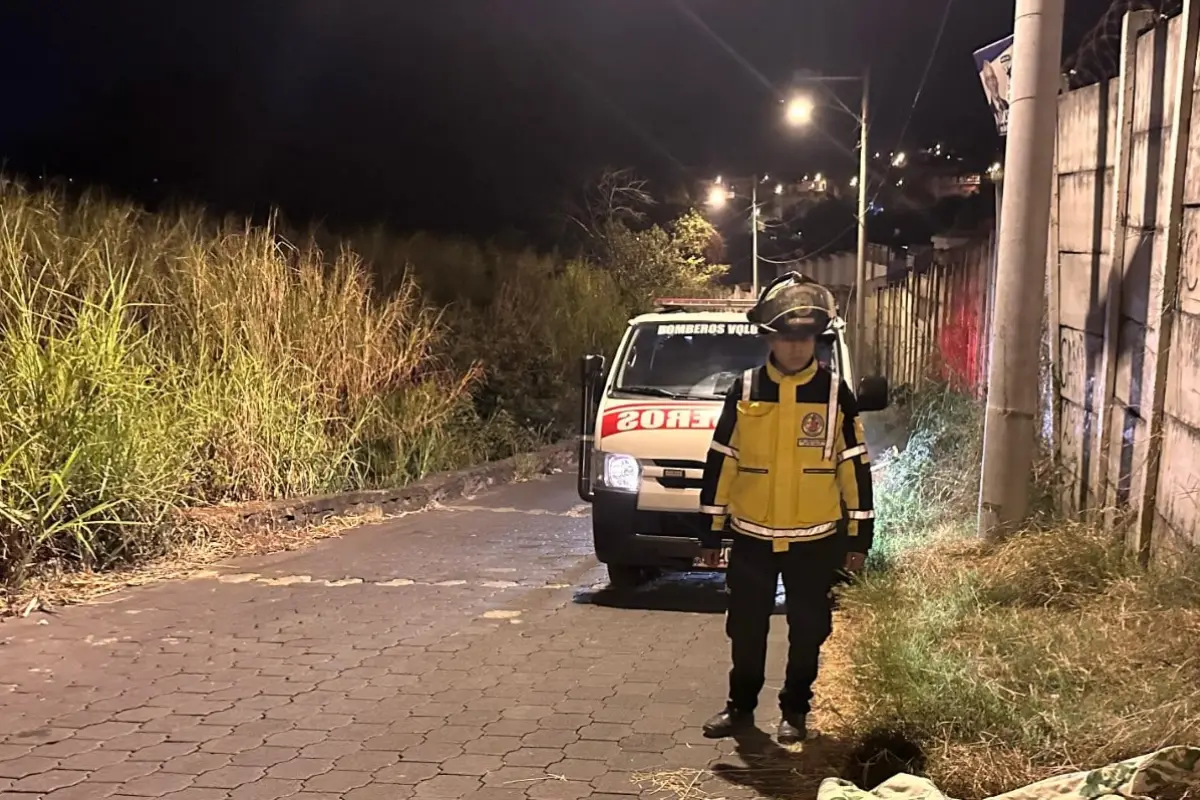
x: 693, y: 361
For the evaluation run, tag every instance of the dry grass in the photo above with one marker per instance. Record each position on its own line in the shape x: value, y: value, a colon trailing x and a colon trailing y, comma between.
x: 1046, y: 655
x: 1049, y: 653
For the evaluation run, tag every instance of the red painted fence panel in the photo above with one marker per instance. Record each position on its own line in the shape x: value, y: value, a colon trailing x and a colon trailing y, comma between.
x: 961, y: 341
x: 932, y: 319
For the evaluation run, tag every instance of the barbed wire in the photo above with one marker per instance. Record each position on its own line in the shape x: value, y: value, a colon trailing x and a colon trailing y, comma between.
x: 1098, y: 57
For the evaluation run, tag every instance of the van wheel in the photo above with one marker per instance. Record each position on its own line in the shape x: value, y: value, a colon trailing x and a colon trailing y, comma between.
x: 625, y: 577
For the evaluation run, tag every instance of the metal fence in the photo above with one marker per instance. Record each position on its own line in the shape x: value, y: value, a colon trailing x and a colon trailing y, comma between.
x: 927, y: 321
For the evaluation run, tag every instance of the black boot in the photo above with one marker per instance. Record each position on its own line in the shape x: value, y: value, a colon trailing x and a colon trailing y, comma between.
x: 727, y: 723
x: 793, y: 728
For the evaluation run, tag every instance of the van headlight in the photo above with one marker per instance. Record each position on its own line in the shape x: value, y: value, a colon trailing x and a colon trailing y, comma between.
x: 622, y: 472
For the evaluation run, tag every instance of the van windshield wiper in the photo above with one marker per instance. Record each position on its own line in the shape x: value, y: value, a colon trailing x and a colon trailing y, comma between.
x: 653, y: 391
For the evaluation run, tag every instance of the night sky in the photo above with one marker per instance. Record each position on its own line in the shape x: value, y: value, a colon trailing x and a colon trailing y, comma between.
x: 467, y: 115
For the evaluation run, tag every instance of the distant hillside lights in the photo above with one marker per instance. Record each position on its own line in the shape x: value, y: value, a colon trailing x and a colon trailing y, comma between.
x: 935, y: 171
x: 719, y: 191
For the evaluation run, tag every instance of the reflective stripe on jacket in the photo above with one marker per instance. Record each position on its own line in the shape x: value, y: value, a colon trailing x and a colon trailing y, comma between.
x: 788, y: 460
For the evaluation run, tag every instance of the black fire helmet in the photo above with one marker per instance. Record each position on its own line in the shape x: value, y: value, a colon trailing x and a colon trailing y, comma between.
x: 793, y: 306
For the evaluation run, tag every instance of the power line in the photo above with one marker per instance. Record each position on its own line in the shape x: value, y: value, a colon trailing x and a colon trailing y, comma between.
x: 726, y: 47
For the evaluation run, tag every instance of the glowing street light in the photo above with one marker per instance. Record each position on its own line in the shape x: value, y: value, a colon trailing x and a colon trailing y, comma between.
x: 779, y: 188
x: 717, y: 197
x: 899, y: 160
x: 800, y: 111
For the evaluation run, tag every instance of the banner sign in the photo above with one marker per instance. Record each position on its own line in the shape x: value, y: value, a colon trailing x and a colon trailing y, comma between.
x: 708, y: 329
x: 994, y: 65
x: 660, y: 417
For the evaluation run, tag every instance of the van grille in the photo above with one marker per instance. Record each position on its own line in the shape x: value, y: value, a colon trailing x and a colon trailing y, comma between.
x: 677, y: 463
x: 672, y: 482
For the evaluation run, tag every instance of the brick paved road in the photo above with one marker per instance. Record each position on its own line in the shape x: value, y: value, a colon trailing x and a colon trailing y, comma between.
x: 461, y: 653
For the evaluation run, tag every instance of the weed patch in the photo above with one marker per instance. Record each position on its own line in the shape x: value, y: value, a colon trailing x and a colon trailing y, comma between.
x: 925, y: 491
x: 1007, y: 664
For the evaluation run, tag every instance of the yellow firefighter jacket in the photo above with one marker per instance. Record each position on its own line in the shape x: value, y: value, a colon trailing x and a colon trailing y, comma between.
x: 788, y: 461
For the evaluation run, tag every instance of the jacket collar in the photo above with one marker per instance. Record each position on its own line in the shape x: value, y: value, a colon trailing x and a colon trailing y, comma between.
x: 799, y: 378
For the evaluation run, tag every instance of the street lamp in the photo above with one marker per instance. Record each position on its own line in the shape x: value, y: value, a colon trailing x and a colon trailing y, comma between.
x: 800, y: 110
x: 800, y: 113
x: 717, y: 196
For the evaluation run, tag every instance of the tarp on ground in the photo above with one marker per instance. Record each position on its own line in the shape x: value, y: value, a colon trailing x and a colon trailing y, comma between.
x: 1168, y: 773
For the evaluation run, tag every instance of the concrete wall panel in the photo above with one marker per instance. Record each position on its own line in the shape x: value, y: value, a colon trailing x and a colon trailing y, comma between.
x: 1084, y: 216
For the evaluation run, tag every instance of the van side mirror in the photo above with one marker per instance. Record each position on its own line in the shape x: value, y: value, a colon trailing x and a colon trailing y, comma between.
x: 873, y: 393
x: 592, y: 377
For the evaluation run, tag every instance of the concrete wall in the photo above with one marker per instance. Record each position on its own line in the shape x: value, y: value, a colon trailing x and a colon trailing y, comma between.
x: 1106, y: 270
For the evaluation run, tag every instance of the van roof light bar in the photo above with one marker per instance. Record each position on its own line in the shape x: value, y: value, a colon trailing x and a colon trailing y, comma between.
x: 702, y: 304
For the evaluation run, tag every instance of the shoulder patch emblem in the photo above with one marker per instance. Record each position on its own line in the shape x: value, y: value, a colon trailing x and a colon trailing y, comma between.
x: 813, y: 425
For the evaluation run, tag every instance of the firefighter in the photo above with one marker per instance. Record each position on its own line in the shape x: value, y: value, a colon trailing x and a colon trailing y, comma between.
x: 788, y: 475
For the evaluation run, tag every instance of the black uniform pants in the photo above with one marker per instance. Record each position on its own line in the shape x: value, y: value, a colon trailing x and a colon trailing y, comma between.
x: 809, y: 570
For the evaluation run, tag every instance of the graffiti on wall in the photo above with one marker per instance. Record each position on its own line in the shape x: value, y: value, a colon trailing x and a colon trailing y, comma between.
x: 960, y: 341
x: 930, y: 321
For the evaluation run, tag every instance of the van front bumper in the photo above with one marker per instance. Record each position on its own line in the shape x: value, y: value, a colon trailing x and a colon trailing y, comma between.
x: 624, y: 534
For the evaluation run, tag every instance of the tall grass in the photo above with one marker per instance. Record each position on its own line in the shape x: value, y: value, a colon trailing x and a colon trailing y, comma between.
x: 1008, y: 663
x: 152, y: 361
x: 927, y: 490
x: 147, y: 362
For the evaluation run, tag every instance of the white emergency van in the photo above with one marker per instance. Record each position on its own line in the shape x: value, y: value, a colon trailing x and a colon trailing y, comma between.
x: 647, y: 423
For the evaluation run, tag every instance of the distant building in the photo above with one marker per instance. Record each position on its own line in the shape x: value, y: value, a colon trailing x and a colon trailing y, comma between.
x: 841, y: 269
x: 941, y: 187
x: 942, y: 174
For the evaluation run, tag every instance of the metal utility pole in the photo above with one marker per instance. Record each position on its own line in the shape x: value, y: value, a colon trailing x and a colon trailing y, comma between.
x: 1012, y: 403
x: 754, y: 233
x: 799, y: 114
x: 860, y: 276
